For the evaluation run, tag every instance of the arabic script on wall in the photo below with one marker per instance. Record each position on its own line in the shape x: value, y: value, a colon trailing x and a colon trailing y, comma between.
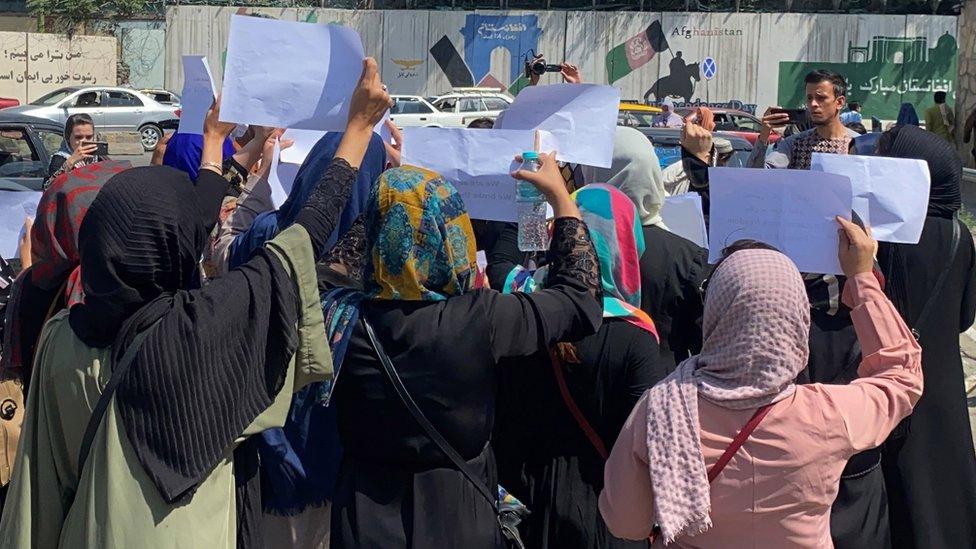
x: 34, y: 64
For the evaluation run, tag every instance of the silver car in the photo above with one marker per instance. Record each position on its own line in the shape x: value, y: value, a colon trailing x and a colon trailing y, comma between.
x: 112, y: 109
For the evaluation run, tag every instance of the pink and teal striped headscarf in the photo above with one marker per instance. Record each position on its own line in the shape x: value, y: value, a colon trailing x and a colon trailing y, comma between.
x: 619, y: 241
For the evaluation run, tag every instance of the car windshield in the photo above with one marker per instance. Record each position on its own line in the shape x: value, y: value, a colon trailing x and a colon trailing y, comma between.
x: 636, y: 119
x: 669, y: 154
x: 54, y: 97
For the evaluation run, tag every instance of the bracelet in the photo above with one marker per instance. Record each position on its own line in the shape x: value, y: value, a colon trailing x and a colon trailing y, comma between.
x: 214, y: 165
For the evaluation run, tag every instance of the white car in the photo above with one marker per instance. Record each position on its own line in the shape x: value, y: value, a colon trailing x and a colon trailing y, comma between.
x: 413, y: 110
x: 453, y: 110
x: 112, y: 109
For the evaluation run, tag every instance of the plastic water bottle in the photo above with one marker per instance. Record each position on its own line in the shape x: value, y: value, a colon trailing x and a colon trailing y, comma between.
x: 533, y: 233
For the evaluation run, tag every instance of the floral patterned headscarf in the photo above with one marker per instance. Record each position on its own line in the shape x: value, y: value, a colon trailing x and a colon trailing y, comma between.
x: 419, y: 238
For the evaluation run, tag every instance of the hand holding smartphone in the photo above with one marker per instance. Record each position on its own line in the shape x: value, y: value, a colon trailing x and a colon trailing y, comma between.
x: 101, y: 147
x: 794, y: 115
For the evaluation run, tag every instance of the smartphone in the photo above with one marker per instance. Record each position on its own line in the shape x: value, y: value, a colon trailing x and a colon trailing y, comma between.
x: 101, y: 147
x: 796, y: 115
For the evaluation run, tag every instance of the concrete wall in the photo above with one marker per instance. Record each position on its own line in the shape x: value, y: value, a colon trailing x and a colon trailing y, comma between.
x: 33, y: 64
x: 759, y: 59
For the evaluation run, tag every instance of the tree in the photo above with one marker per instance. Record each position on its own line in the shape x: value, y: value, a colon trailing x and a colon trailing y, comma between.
x: 68, y: 16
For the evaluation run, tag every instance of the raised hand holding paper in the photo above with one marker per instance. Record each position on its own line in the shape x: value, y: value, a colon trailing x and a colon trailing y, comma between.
x: 478, y: 162
x: 793, y: 210
x: 582, y: 118
x: 682, y: 214
x: 895, y: 192
x: 198, y: 94
x: 290, y: 75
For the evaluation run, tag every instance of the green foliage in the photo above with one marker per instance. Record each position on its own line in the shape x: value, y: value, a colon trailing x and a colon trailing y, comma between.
x: 68, y: 15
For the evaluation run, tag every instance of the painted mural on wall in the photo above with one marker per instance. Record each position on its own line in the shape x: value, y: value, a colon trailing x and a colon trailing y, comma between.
x: 883, y: 74
x: 518, y: 35
x: 758, y: 60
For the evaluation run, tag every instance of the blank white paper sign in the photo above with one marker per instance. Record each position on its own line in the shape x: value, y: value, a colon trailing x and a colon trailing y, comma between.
x: 682, y: 214
x: 895, y: 190
x: 793, y: 210
x: 478, y: 162
x: 198, y: 94
x: 15, y: 206
x: 281, y: 177
x: 285, y: 74
x: 304, y: 140
x: 582, y: 118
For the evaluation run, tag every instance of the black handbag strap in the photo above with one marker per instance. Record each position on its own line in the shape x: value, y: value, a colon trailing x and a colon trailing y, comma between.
x: 425, y: 424
x: 118, y: 372
x: 937, y: 289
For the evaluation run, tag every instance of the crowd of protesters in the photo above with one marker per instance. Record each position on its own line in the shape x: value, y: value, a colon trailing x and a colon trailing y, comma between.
x: 189, y: 366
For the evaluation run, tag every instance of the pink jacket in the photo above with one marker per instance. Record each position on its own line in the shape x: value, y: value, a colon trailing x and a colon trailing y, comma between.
x: 778, y: 489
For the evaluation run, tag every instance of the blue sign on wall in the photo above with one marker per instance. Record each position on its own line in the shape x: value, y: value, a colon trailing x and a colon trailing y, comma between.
x: 484, y: 33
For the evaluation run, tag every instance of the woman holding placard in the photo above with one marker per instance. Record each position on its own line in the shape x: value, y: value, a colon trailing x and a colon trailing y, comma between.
x: 679, y: 463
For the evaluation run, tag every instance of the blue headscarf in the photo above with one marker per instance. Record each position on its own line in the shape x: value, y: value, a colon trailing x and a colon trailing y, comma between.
x: 267, y: 225
x: 300, y: 462
x: 907, y: 115
x: 184, y: 151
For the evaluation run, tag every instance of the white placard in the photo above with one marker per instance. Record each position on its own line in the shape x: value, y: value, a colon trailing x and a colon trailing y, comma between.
x: 285, y: 74
x: 304, y: 140
x: 793, y: 210
x: 582, y: 118
x: 198, y: 94
x: 682, y: 213
x: 15, y: 207
x: 895, y: 192
x: 281, y: 177
x: 478, y: 162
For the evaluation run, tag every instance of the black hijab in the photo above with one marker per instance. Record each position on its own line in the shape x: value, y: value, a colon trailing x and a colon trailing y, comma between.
x: 945, y: 166
x: 215, y: 357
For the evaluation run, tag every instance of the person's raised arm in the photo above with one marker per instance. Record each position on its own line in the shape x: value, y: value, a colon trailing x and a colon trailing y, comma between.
x: 570, y: 306
x: 211, y: 184
x: 890, y: 373
x: 321, y: 213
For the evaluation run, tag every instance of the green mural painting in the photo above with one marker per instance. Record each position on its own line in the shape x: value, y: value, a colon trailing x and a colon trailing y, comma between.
x: 883, y: 74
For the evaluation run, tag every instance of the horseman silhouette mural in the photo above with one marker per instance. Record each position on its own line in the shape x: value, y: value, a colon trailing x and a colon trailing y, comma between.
x: 639, y: 50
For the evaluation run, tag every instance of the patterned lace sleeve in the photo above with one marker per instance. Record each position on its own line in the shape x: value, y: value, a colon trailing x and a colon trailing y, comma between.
x: 350, y: 250
x: 321, y: 213
x: 572, y: 254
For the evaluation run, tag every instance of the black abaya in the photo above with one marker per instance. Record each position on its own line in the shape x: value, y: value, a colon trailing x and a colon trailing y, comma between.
x: 544, y: 458
x: 672, y: 271
x: 395, y: 487
x: 930, y: 472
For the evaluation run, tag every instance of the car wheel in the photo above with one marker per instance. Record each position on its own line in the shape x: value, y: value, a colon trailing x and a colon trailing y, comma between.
x: 149, y: 135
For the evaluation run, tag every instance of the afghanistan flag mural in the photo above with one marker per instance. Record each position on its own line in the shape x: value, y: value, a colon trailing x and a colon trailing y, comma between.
x: 635, y: 52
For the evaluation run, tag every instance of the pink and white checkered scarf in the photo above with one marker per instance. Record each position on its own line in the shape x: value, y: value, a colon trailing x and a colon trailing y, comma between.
x: 756, y: 335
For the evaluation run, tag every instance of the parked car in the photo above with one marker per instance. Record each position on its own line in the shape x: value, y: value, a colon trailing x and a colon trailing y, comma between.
x: 667, y: 145
x: 6, y: 102
x: 112, y: 109
x: 735, y: 122
x: 414, y: 110
x: 26, y: 146
x: 637, y: 115
x: 163, y: 97
x: 467, y: 104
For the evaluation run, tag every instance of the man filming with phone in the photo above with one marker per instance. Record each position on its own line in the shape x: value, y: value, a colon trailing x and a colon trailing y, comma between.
x: 826, y: 93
